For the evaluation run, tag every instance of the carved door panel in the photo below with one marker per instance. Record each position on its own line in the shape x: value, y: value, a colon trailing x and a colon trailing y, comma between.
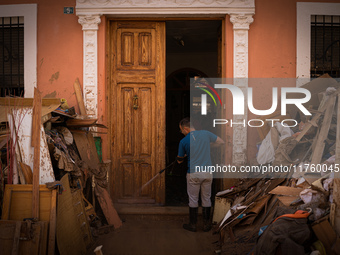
x: 138, y: 110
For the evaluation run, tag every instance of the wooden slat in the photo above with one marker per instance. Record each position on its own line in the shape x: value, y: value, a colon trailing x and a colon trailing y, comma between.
x: 336, y: 192
x: 320, y: 144
x: 15, y: 248
x: 69, y: 235
x: 27, y: 173
x: 53, y: 224
x: 36, y: 125
x: 106, y: 204
x: 27, y: 102
x: 314, y: 120
x: 79, y: 96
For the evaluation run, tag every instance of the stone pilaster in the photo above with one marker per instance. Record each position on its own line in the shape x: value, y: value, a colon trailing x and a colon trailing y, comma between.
x: 241, y: 24
x: 90, y: 48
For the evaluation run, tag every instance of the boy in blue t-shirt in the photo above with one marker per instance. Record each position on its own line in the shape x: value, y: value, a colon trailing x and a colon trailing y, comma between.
x: 196, y: 146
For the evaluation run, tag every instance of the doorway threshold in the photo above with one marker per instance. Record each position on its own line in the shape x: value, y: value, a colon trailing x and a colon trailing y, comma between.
x: 145, y: 209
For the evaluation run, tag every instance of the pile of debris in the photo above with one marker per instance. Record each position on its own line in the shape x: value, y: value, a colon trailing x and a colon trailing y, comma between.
x: 292, y: 212
x: 53, y: 181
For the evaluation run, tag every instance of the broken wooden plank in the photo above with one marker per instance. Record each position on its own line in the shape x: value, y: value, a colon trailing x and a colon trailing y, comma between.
x: 325, y: 233
x: 87, y: 149
x: 286, y: 191
x: 27, y: 102
x: 80, y: 212
x: 69, y: 235
x: 27, y: 173
x: 322, y: 108
x: 35, y: 142
x: 10, y: 104
x: 332, y: 215
x: 79, y: 96
x: 81, y: 122
x: 15, y: 248
x: 53, y: 224
x: 106, y: 204
x: 320, y: 143
x: 336, y: 185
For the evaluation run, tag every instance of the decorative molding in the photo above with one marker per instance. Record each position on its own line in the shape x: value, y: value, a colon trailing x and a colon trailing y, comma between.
x: 241, y: 24
x: 241, y: 21
x: 90, y: 48
x: 164, y: 3
x: 164, y: 7
x: 89, y: 22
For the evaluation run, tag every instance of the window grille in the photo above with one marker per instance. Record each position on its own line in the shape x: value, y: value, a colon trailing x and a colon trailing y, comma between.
x: 12, y: 56
x: 325, y: 49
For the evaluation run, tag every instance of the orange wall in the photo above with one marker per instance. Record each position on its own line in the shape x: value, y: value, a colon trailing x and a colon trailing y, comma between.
x: 60, y: 53
x: 272, y: 53
x: 60, y: 57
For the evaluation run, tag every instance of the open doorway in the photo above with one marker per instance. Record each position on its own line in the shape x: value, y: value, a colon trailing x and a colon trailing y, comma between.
x: 192, y: 49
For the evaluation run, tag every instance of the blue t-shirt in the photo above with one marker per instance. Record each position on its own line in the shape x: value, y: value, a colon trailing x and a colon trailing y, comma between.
x: 196, y: 145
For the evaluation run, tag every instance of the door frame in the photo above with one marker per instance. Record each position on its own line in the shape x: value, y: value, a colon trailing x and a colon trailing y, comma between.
x: 161, y: 153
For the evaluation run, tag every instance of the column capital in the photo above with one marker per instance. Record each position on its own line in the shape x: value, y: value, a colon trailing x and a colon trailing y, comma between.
x: 241, y: 21
x: 89, y: 22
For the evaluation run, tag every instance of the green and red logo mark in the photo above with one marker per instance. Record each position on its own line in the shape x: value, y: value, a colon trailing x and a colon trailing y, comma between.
x: 204, y: 86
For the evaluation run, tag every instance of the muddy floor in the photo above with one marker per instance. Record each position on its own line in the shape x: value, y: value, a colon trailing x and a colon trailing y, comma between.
x: 156, y: 237
x: 139, y: 236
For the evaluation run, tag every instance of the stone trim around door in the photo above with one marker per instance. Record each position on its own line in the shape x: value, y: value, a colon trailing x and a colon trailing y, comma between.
x: 240, y: 11
x: 241, y: 24
x: 90, y: 64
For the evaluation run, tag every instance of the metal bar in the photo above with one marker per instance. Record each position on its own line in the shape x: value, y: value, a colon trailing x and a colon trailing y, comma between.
x: 323, y: 44
x: 315, y: 37
x: 18, y: 75
x: 332, y: 46
x: 10, y: 53
x: 3, y: 60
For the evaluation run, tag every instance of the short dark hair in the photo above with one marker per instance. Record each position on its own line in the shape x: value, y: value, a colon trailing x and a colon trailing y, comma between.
x: 185, y: 122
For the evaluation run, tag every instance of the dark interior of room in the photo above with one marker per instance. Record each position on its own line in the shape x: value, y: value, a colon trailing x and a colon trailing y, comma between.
x: 191, y: 50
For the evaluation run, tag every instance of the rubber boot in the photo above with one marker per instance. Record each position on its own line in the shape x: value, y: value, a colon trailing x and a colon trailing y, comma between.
x: 192, y: 226
x: 206, y: 219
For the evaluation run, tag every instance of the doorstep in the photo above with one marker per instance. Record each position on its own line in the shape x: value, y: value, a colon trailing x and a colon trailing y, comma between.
x: 153, y: 212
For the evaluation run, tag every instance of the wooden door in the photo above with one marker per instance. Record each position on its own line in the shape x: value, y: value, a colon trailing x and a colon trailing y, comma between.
x: 137, y: 110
